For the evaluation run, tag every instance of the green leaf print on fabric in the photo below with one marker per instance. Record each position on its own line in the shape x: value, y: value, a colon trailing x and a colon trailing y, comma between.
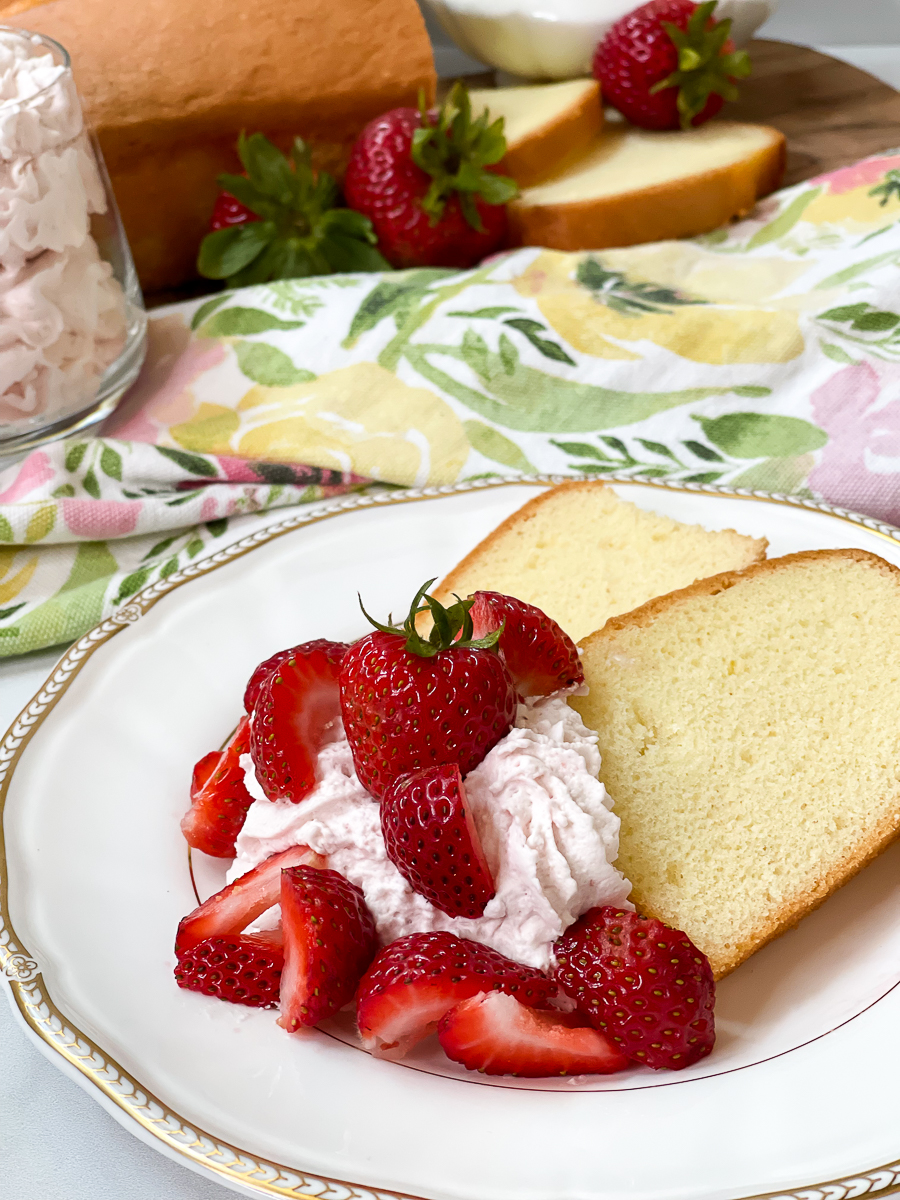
x: 6, y: 531
x: 776, y: 474
x: 762, y: 435
x: 888, y: 188
x: 75, y: 455
x: 269, y: 366
x: 8, y: 612
x: 581, y: 450
x: 836, y: 354
x: 533, y: 401
x: 534, y: 331
x: 705, y: 452
x: 207, y: 309
x: 492, y: 444
x: 785, y: 221
x: 873, y: 330
x: 93, y: 561
x: 613, y: 289
x: 237, y: 321
x: 111, y: 463
x: 391, y: 297
x: 189, y: 462
x: 90, y: 484
x: 133, y: 583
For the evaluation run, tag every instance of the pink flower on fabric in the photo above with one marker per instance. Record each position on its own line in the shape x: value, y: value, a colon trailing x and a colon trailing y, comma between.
x: 859, y: 409
x: 209, y: 509
x: 35, y: 471
x: 861, y: 174
x: 96, y: 520
x: 162, y: 396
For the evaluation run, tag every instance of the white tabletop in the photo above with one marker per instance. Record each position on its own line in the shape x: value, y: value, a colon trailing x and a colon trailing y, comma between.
x: 56, y: 1143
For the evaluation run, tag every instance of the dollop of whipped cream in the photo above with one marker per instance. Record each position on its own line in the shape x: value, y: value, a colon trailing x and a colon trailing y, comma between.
x: 545, y: 821
x: 63, y: 317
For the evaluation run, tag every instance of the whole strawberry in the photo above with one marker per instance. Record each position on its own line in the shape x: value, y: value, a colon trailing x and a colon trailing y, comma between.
x: 280, y: 220
x: 423, y: 179
x: 669, y: 64
x: 410, y: 702
x: 644, y: 985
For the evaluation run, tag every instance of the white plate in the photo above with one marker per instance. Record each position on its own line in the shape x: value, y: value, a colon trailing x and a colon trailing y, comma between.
x: 800, y: 1089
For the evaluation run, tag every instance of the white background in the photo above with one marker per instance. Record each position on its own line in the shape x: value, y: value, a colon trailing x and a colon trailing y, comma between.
x: 55, y: 1142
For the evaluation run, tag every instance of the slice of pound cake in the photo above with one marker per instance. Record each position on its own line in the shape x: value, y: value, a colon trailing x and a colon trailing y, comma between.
x: 749, y: 734
x: 582, y: 555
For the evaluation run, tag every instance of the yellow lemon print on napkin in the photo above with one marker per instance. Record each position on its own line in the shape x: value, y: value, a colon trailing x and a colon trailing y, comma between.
x: 360, y: 418
x: 696, y: 331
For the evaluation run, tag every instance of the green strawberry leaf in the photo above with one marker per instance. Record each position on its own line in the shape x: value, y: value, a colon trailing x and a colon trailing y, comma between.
x: 227, y: 251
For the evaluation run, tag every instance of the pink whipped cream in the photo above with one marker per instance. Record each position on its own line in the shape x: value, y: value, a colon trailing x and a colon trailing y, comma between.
x: 545, y: 820
x: 62, y: 314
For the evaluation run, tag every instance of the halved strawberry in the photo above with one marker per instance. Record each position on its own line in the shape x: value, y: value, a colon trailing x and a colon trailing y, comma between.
x: 431, y: 839
x: 219, y: 799
x: 329, y: 940
x: 231, y: 910
x: 202, y: 771
x: 421, y: 976
x: 641, y: 982
x: 268, y: 668
x: 243, y: 970
x: 296, y: 706
x: 495, y: 1034
x: 540, y: 656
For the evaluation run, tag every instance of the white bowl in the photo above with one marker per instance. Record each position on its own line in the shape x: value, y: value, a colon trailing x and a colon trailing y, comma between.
x: 556, y: 39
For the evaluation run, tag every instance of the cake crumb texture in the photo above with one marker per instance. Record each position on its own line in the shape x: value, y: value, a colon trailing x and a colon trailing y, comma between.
x: 749, y: 736
x: 582, y: 555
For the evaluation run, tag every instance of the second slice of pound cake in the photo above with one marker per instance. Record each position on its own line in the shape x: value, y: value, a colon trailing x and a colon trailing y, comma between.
x: 582, y: 555
x: 749, y: 737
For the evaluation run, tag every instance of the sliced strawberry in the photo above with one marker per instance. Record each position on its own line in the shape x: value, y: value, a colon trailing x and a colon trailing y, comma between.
x: 431, y: 839
x: 329, y: 940
x: 418, y: 978
x: 495, y: 1034
x: 540, y: 656
x: 243, y: 970
x: 219, y: 799
x: 296, y: 707
x: 202, y: 771
x: 231, y: 910
x: 268, y: 668
x: 644, y: 984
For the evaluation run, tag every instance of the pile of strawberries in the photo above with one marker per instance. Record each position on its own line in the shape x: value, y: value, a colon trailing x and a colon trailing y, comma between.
x: 419, y: 713
x: 423, y: 187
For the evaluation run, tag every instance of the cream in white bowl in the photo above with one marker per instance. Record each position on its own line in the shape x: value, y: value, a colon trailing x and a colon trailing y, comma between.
x: 556, y: 39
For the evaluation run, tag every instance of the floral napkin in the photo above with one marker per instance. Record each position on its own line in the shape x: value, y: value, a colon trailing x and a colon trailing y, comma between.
x: 765, y: 356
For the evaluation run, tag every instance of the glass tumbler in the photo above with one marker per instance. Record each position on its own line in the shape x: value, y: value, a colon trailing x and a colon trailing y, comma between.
x: 72, y: 320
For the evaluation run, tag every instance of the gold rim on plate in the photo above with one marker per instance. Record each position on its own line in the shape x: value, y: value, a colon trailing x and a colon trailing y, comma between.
x: 51, y: 1026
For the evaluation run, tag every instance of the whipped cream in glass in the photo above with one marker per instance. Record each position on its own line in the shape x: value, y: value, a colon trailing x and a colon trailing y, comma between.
x: 545, y: 821
x: 64, y: 317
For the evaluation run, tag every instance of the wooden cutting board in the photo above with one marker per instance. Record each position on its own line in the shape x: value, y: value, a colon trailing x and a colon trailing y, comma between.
x: 831, y: 113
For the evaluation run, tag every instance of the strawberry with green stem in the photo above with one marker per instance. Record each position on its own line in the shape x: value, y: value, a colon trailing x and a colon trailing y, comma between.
x: 280, y: 220
x: 425, y: 180
x: 669, y: 64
